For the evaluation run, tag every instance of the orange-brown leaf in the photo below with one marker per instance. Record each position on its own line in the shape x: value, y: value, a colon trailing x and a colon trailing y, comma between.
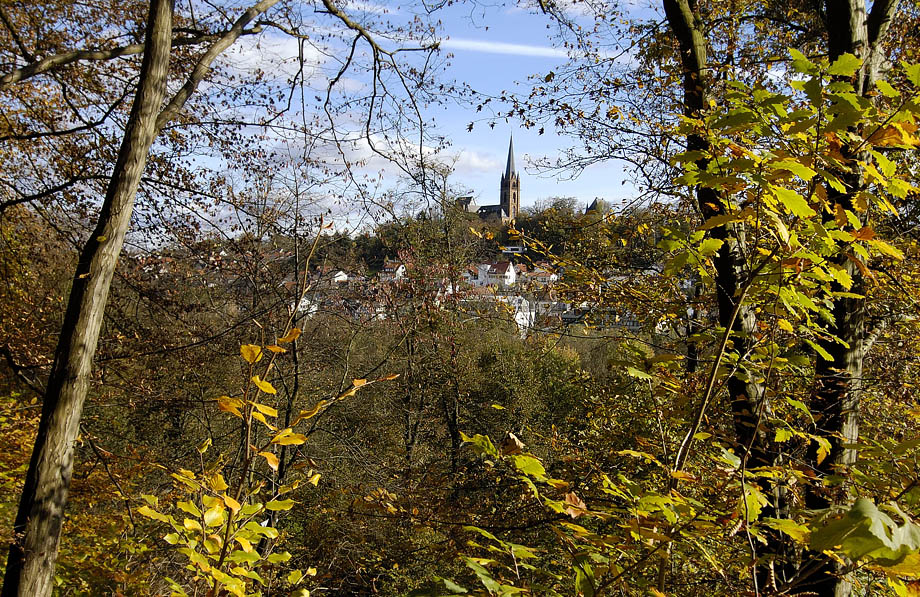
x: 272, y: 460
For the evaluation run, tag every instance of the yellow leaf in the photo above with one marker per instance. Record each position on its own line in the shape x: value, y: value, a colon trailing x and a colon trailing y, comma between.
x: 251, y: 353
x: 191, y: 525
x: 681, y: 475
x: 290, y: 336
x: 314, y: 480
x: 271, y: 459
x: 358, y: 382
x: 887, y: 249
x: 260, y: 417
x: 265, y: 409
x: 263, y: 385
x: 288, y: 438
x: 231, y: 503
x: 309, y: 414
x: 230, y: 405
x: 214, y: 515
x: 151, y: 513
x: 244, y: 543
x: 389, y: 377
x: 275, y: 348
x: 784, y: 324
x: 217, y: 482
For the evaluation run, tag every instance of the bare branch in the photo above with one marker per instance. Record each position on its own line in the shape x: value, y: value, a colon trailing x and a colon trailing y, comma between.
x: 65, y: 58
x: 203, y: 66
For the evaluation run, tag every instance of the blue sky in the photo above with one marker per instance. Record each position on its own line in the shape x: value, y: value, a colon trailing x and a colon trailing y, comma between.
x: 497, y: 49
x: 492, y: 49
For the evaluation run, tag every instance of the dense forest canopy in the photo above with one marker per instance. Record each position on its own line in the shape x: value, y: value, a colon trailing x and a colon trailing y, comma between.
x: 235, y: 362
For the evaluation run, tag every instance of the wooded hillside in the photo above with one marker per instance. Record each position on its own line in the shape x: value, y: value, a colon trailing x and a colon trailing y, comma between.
x: 213, y: 382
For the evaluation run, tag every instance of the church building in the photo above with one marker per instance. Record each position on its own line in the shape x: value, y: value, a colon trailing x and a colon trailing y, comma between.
x: 509, y: 194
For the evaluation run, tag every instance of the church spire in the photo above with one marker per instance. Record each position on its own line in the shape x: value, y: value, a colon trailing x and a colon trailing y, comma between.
x: 510, y: 195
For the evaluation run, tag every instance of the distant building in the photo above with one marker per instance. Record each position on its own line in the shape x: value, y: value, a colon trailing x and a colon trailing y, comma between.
x: 501, y: 274
x: 467, y: 204
x: 598, y: 206
x: 392, y: 271
x: 509, y: 194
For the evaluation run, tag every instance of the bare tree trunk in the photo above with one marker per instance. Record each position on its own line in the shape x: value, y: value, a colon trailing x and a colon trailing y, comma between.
x: 30, y: 566
x: 838, y: 382
x: 746, y: 397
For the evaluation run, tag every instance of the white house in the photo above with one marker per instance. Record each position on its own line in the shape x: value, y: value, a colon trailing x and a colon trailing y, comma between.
x: 392, y: 271
x: 542, y: 276
x: 500, y: 274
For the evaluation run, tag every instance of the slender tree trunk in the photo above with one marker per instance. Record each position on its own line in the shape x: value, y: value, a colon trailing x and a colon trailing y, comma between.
x: 30, y: 566
x: 747, y: 398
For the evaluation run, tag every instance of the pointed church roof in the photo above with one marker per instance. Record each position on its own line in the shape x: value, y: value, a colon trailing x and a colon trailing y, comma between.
x: 509, y: 169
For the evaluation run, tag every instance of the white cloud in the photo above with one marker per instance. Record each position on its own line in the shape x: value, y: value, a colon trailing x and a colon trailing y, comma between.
x: 473, y: 162
x: 371, y: 7
x: 497, y: 47
x: 276, y: 54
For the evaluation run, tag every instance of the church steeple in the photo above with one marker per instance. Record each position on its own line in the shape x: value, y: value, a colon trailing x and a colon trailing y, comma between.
x: 510, y: 193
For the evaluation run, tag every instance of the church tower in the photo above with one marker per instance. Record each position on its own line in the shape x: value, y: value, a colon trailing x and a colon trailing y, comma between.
x: 510, y: 194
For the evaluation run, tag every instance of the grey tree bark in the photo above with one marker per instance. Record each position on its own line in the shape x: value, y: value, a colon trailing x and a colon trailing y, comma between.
x: 32, y: 556
x: 31, y: 561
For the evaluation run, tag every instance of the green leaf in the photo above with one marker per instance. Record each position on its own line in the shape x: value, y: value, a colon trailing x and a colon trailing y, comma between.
x: 913, y: 73
x: 799, y: 405
x: 276, y: 505
x: 279, y: 558
x: 864, y: 532
x: 801, y: 63
x: 735, y: 119
x: 886, y: 89
x: 818, y: 349
x: 240, y: 556
x: 584, y: 578
x: 792, y: 201
x: 453, y: 587
x: 214, y: 516
x: 710, y: 246
x: 481, y: 444
x: 782, y: 434
x: 189, y: 508
x: 800, y: 170
x: 842, y: 276
x: 529, y: 466
x: 798, y: 532
x: 845, y: 66
x: 483, y: 574
x: 752, y: 502
x: 294, y: 577
x: 633, y: 372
